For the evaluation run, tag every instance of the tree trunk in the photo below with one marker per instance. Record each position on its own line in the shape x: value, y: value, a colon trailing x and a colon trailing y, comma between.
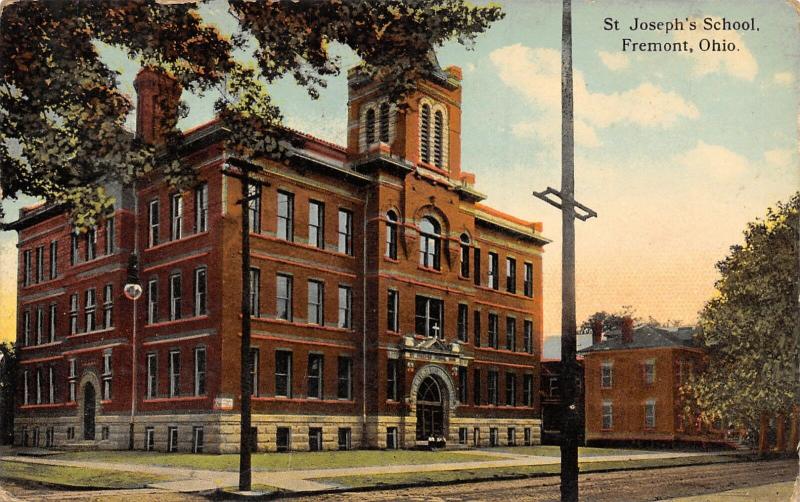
x: 791, y: 446
x: 763, y: 427
x: 780, y: 432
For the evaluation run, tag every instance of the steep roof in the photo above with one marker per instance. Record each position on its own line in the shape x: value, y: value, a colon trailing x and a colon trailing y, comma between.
x: 645, y: 337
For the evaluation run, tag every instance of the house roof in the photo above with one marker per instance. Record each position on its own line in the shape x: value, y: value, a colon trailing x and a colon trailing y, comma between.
x: 645, y: 337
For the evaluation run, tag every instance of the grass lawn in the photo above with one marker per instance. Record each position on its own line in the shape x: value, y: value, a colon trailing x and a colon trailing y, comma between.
x: 555, y: 451
x: 278, y: 461
x: 75, y: 476
x: 510, y: 472
x: 774, y: 491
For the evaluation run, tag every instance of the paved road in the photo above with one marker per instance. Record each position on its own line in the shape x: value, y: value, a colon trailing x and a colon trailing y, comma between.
x: 630, y: 486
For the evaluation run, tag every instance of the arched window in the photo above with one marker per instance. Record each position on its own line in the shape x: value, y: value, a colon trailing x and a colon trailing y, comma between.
x: 430, y: 245
x: 384, y: 128
x: 425, y: 134
x: 370, y: 126
x: 391, y: 235
x: 464, y: 255
x: 438, y: 138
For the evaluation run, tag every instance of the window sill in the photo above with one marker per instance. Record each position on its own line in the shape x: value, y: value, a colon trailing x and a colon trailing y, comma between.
x: 300, y: 245
x: 174, y: 398
x: 175, y: 241
x: 283, y: 399
x: 42, y: 406
x: 390, y: 260
x: 300, y: 324
x: 77, y: 335
x: 176, y: 321
x: 41, y: 346
x: 429, y: 269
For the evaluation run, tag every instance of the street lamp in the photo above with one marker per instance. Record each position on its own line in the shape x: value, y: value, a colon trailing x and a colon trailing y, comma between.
x: 133, y: 291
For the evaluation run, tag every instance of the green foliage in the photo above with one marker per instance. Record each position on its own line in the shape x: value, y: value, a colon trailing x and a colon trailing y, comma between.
x: 62, y: 115
x: 751, y: 328
x: 609, y: 320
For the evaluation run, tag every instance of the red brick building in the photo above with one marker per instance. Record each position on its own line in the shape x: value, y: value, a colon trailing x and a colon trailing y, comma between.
x: 390, y: 305
x: 633, y: 379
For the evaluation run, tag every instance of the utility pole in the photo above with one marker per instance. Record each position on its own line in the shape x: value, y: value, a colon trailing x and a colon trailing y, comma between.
x: 568, y: 205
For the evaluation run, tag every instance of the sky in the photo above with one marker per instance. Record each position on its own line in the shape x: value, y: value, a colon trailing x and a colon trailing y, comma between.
x: 676, y: 151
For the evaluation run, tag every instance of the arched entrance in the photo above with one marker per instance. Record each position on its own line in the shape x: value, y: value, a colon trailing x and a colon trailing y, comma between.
x: 430, y: 410
x: 89, y: 411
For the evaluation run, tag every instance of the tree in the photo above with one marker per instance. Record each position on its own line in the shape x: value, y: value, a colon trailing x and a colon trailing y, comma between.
x: 8, y: 386
x: 751, y: 328
x: 62, y: 114
x: 608, y: 320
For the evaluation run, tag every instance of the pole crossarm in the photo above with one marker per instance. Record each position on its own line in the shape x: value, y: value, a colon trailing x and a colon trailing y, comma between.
x: 585, y: 215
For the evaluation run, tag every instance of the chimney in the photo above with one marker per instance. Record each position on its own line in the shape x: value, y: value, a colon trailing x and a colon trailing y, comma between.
x: 627, y: 329
x: 597, y: 331
x: 158, y: 97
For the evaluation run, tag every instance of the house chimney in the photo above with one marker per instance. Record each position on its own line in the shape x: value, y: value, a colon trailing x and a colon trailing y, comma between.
x: 597, y: 331
x: 627, y: 329
x: 158, y: 97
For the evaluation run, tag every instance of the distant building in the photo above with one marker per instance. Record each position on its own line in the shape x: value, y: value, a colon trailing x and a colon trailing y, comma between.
x: 632, y: 381
x: 550, y: 396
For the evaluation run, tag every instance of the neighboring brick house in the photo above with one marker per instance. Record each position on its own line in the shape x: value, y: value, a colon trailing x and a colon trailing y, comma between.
x: 389, y: 304
x: 550, y: 392
x: 632, y: 381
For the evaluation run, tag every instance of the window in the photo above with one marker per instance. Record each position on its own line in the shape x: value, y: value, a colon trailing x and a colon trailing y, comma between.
x: 511, y: 389
x: 39, y: 264
x: 527, y: 336
x: 393, y: 311
x: 476, y: 327
x: 53, y: 320
x: 316, y: 224
x: 527, y: 284
x: 53, y: 259
x: 345, y: 307
x: 26, y: 327
x: 176, y: 216
x: 476, y: 436
x: 172, y: 439
x: 345, y: 232
x: 429, y: 244
x: 255, y: 292
x: 606, y: 375
x: 345, y: 377
x: 153, y: 222
x: 391, y: 380
x: 528, y: 437
x: 650, y: 414
x: 39, y: 324
x: 107, y: 375
x: 344, y: 438
x: 199, y: 371
x: 285, y: 228
x: 511, y: 275
x: 527, y: 390
x: 554, y: 390
x: 425, y: 134
x: 493, y: 272
x: 26, y: 397
x: 152, y: 301
x: 429, y: 317
x: 315, y: 439
x: 370, y: 126
x: 200, y: 284
x: 511, y: 436
x: 476, y: 387
x: 316, y: 307
x: 108, y: 306
x: 650, y: 372
x: 51, y: 385
x: 174, y: 373
x: 511, y: 334
x: 110, y: 235
x: 73, y: 375
x: 90, y: 305
x: 462, y: 435
x: 284, y: 297
x: 254, y: 207
x: 201, y: 208
x: 384, y: 128
x: 494, y: 439
x: 463, y: 321
x: 391, y: 235
x: 26, y: 268
x: 464, y: 255
x: 462, y: 384
x: 74, y: 251
x: 149, y: 439
x: 152, y: 376
x: 175, y: 296
x: 283, y: 373
x: 254, y: 366
x: 48, y: 437
x: 476, y: 267
x: 438, y: 139
x: 315, y: 379
x: 492, y: 387
x: 91, y: 244
x: 392, y: 442
x: 70, y: 432
x: 493, y: 329
x: 608, y: 415
x: 197, y: 439
x: 283, y: 439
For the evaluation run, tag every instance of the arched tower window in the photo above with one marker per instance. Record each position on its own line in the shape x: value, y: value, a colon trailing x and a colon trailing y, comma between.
x: 464, y: 255
x: 391, y: 235
x: 425, y: 134
x: 438, y: 138
x: 384, y: 127
x: 430, y: 245
x: 370, y: 126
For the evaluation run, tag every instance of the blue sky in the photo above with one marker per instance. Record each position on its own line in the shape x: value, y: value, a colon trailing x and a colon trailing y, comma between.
x: 675, y: 151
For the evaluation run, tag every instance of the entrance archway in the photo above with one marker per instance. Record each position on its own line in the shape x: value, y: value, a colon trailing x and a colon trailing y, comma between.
x: 89, y: 411
x: 430, y: 410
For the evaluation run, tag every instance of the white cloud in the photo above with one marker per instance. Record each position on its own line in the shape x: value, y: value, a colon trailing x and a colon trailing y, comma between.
x: 785, y: 78
x: 739, y: 63
x: 780, y: 158
x: 714, y: 160
x: 614, y: 61
x: 535, y: 73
